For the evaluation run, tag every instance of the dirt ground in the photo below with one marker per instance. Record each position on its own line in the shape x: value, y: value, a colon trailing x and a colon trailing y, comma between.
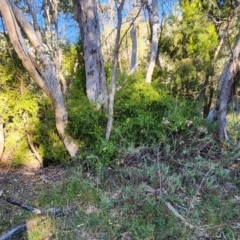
x: 24, y: 186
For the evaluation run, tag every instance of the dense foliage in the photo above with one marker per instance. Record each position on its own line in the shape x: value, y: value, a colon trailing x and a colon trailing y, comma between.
x: 164, y: 173
x: 27, y: 117
x: 144, y: 114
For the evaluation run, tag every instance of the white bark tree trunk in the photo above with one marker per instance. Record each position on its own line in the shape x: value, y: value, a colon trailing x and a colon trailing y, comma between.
x: 87, y: 17
x: 114, y: 71
x: 133, y: 34
x: 40, y: 67
x: 155, y: 22
x: 52, y: 40
x: 219, y: 111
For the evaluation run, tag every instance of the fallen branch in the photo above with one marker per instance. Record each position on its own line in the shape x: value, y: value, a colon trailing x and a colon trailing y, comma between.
x: 23, y: 206
x: 14, y: 232
x: 157, y: 192
x: 174, y: 211
x: 56, y: 212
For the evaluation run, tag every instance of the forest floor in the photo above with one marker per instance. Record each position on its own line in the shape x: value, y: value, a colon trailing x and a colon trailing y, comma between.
x: 149, y: 194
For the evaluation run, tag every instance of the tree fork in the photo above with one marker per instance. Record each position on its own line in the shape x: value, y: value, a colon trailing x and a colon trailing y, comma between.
x: 43, y: 75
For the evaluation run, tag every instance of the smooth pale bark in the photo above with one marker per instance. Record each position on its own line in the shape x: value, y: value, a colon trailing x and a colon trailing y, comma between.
x: 32, y: 8
x: 87, y: 17
x: 154, y: 41
x: 219, y: 111
x: 133, y: 35
x: 114, y: 72
x: 1, y: 137
x: 52, y: 39
x: 40, y: 67
x: 118, y: 43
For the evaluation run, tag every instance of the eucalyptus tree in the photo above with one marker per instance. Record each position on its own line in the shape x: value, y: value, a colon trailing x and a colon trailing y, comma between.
x: 155, y: 26
x: 114, y: 70
x: 87, y: 17
x: 224, y: 96
x: 133, y: 34
x: 35, y: 56
x: 51, y: 34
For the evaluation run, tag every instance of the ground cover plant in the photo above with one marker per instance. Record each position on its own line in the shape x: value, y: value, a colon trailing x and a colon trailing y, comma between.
x: 129, y: 137
x: 189, y: 190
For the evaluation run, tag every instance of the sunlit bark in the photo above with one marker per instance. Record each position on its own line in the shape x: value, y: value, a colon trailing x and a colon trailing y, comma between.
x: 154, y: 41
x: 52, y: 39
x: 39, y: 66
x: 133, y: 35
x: 114, y: 71
x: 87, y: 17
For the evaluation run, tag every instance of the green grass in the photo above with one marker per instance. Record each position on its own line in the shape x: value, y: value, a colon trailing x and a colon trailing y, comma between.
x: 131, y: 199
x: 114, y: 210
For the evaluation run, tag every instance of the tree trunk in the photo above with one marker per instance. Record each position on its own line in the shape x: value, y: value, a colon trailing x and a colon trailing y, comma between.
x: 219, y: 111
x: 52, y: 39
x: 204, y: 85
x: 155, y: 39
x: 114, y: 71
x: 39, y: 66
x: 133, y: 35
x: 87, y: 17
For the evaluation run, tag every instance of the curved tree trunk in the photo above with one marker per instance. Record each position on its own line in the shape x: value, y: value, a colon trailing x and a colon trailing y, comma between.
x: 38, y: 64
x: 87, y: 17
x: 219, y: 111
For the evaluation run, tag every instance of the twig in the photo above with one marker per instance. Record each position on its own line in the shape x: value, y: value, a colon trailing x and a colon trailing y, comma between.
x: 30, y: 143
x: 157, y: 192
x: 191, y: 204
x: 174, y: 211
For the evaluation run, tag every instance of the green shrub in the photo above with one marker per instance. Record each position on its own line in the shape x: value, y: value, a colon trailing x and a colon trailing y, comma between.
x: 25, y: 115
x: 144, y: 113
x: 47, y: 138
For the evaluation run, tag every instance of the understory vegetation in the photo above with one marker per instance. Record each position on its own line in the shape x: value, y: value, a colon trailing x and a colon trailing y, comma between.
x: 171, y: 166
x: 186, y: 190
x: 163, y: 175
